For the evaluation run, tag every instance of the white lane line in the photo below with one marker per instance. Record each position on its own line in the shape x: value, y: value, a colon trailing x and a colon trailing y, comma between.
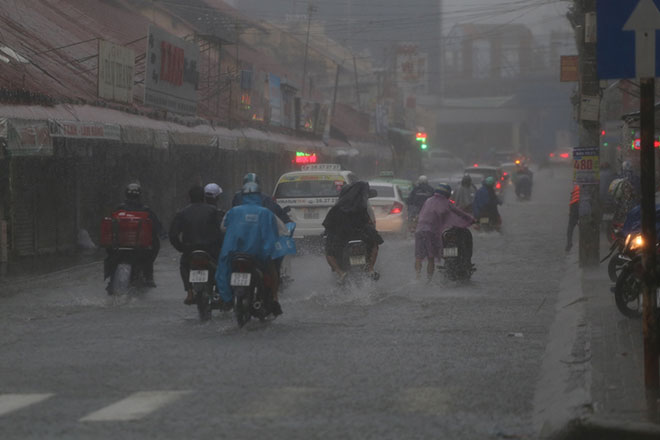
x: 279, y: 402
x: 135, y: 406
x: 425, y: 400
x: 14, y: 402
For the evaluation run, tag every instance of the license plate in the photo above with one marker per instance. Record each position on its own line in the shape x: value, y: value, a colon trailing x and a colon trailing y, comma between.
x: 199, y: 276
x: 240, y: 279
x: 484, y: 220
x: 357, y: 260
x: 311, y: 214
x: 450, y: 252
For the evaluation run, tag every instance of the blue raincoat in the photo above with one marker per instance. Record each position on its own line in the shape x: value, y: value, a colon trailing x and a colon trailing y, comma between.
x: 251, y: 229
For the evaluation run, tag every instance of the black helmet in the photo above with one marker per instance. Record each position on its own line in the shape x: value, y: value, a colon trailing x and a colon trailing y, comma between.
x: 466, y: 180
x: 133, y: 191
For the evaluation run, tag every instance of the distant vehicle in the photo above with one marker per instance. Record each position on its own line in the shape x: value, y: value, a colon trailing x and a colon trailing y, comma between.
x: 503, y: 157
x: 441, y: 161
x: 478, y: 173
x: 508, y: 170
x: 405, y: 186
x: 311, y: 193
x: 561, y: 156
x: 389, y: 207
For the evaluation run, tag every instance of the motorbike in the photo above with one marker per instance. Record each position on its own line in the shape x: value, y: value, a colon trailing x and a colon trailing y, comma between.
x: 628, y: 287
x: 252, y: 296
x: 354, y: 262
x: 202, y: 279
x: 523, y: 185
x: 457, y: 253
x: 617, y: 256
x: 127, y: 237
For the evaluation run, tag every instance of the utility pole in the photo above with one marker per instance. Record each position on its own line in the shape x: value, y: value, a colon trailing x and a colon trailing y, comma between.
x: 357, y: 83
x: 334, y: 95
x: 310, y: 10
x: 589, y: 130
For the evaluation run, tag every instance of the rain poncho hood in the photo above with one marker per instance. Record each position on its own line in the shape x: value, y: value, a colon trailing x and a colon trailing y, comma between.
x: 251, y: 229
x: 353, y: 198
x: 438, y: 214
x: 485, y: 202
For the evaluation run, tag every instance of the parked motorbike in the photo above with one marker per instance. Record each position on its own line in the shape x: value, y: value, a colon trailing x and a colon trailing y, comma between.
x: 252, y: 295
x: 617, y: 256
x: 628, y: 287
x: 127, y: 237
x: 202, y: 279
x: 457, y: 254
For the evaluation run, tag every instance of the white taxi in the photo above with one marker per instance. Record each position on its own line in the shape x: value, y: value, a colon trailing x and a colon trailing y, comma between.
x: 311, y: 193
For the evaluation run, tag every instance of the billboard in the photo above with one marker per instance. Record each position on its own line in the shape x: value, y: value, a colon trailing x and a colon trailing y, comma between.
x: 172, y: 74
x: 116, y: 69
x: 411, y: 66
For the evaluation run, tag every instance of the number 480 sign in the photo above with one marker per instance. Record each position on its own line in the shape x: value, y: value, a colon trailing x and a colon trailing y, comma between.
x: 586, y: 165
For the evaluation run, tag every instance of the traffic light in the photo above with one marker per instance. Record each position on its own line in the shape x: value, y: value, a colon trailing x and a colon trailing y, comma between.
x: 421, y: 138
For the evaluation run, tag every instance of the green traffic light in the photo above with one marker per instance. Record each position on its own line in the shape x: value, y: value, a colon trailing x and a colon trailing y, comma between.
x: 424, y: 146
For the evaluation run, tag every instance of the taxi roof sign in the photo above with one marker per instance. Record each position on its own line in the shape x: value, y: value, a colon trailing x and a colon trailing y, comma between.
x: 321, y: 167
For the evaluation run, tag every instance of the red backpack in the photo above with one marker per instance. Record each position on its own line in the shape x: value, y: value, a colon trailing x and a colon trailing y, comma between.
x: 127, y: 229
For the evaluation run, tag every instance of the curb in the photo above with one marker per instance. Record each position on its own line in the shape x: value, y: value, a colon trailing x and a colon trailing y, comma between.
x: 589, y: 428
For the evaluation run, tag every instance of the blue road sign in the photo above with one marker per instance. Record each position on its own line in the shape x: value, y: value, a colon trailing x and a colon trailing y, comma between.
x: 628, y: 45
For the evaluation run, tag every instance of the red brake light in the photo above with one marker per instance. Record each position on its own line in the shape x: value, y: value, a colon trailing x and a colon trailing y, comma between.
x: 506, y: 174
x: 396, y: 208
x: 498, y: 185
x: 476, y: 165
x: 564, y: 155
x: 552, y: 154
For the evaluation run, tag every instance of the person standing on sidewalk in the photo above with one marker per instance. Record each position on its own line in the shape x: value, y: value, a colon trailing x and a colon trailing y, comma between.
x: 573, y: 216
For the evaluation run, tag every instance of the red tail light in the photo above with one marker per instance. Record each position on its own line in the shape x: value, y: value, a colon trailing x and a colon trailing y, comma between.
x: 498, y: 185
x: 396, y: 208
x: 552, y: 154
x: 564, y: 155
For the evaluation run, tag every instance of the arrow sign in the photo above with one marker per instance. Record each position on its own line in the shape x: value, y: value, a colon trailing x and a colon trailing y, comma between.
x: 644, y: 21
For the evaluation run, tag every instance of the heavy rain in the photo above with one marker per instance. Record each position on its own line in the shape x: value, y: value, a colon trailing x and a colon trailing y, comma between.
x: 328, y: 219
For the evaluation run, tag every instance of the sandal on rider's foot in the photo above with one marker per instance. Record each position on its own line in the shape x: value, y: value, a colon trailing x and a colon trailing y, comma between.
x: 190, y: 299
x: 342, y: 278
x: 276, y: 308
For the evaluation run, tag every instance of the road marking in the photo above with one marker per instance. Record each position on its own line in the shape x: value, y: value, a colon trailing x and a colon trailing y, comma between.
x: 426, y: 400
x: 279, y: 402
x: 14, y: 402
x: 135, y: 406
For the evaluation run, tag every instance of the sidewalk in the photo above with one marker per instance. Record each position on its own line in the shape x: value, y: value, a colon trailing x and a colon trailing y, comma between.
x: 615, y: 373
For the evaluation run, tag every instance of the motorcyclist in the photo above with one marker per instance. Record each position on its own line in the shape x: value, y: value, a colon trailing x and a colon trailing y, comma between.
x: 523, y: 180
x: 250, y: 229
x: 486, y: 203
x: 420, y: 192
x: 195, y: 227
x: 133, y: 202
x: 266, y: 201
x: 464, y: 196
x: 349, y: 220
x: 212, y: 193
x: 622, y: 194
x: 436, y: 216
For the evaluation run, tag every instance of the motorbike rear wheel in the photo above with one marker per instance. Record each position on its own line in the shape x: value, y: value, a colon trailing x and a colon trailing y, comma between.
x: 242, y: 306
x: 202, y: 300
x: 614, y: 267
x: 628, y: 292
x: 121, y: 279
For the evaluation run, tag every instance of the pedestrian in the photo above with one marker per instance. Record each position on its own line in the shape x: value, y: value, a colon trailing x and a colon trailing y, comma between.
x: 573, y: 215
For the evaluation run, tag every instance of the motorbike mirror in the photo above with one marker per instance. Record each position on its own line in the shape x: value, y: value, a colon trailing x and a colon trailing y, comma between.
x: 286, y: 209
x: 373, y: 193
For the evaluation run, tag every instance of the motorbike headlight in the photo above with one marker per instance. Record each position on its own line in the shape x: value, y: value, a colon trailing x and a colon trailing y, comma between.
x: 637, y: 242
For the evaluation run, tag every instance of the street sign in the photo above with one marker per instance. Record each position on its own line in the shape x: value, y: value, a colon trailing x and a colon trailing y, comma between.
x: 586, y: 165
x: 627, y: 39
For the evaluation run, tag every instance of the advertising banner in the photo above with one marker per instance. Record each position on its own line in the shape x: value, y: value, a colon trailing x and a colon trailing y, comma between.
x: 29, y: 138
x: 172, y: 75
x: 275, y: 93
x: 411, y: 66
x: 85, y: 130
x: 569, y: 68
x: 116, y: 72
x: 586, y: 165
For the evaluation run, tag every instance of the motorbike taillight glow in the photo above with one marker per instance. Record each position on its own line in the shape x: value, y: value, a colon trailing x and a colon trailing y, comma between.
x: 498, y: 185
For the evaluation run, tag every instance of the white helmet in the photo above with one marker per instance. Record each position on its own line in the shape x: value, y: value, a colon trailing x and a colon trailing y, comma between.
x: 212, y: 190
x: 423, y: 179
